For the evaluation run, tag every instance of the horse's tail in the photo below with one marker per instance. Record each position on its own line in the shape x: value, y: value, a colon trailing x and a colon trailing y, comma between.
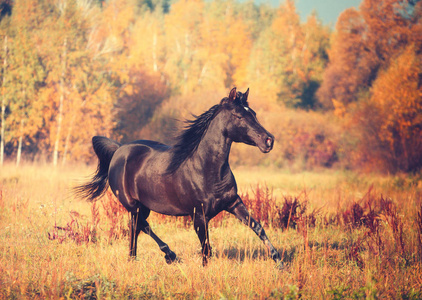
x: 97, y: 186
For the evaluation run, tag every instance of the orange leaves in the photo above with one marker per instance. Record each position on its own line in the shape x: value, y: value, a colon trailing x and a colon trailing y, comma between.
x: 374, y: 77
x: 123, y: 58
x: 347, y: 70
x: 397, y: 96
x: 366, y: 41
x: 389, y: 118
x: 339, y: 108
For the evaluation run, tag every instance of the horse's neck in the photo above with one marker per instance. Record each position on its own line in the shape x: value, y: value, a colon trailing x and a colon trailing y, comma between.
x: 214, y: 149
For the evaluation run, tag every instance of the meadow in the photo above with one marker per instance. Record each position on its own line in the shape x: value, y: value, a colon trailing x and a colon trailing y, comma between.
x: 342, y: 235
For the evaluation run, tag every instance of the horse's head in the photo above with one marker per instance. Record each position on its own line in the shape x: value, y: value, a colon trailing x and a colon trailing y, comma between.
x: 243, y: 126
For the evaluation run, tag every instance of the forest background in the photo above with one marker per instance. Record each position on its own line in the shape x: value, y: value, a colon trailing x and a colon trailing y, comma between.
x: 135, y: 69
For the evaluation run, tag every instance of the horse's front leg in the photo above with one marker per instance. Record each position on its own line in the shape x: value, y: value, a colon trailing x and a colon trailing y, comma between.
x: 200, y: 223
x: 241, y: 212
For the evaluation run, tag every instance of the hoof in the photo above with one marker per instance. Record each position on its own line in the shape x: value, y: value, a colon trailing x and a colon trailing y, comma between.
x: 204, y: 261
x: 279, y: 265
x: 276, y: 256
x: 171, y: 258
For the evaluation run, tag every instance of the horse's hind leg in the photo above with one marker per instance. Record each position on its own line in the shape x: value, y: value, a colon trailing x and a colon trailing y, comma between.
x: 137, y: 218
x: 141, y: 224
x: 170, y: 255
x: 134, y: 232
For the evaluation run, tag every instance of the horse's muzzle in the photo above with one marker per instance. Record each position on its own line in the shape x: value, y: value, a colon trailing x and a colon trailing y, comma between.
x: 268, y: 144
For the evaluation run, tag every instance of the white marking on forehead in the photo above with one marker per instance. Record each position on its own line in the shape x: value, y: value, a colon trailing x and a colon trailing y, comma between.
x: 246, y: 108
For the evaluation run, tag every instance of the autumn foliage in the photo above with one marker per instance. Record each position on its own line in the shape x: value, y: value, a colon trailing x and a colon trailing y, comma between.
x: 373, y: 82
x: 133, y: 69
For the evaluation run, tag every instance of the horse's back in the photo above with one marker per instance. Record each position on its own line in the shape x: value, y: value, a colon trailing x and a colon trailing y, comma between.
x: 153, y: 145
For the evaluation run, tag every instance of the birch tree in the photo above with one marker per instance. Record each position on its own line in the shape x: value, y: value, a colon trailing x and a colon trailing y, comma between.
x: 3, y: 100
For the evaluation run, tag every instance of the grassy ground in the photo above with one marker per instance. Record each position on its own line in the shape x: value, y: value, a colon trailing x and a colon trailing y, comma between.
x: 55, y: 246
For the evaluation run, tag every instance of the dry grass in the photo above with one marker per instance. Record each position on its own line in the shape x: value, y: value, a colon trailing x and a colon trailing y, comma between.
x: 347, y: 236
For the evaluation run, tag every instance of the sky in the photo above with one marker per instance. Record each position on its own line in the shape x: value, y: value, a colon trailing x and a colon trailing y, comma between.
x: 328, y: 10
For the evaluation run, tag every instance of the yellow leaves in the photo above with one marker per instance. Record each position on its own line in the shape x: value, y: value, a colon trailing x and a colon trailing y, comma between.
x: 239, y: 44
x: 128, y: 89
x: 396, y: 90
x: 185, y: 15
x: 146, y: 48
x: 339, y: 108
x: 118, y: 15
x: 207, y: 46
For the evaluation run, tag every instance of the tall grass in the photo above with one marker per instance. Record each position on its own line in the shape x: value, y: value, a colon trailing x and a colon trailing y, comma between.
x: 341, y: 235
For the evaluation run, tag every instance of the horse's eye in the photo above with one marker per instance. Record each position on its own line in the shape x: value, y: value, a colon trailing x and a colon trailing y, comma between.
x: 238, y: 116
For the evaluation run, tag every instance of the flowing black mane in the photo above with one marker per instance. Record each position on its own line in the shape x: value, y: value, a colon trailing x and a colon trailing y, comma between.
x: 189, y: 139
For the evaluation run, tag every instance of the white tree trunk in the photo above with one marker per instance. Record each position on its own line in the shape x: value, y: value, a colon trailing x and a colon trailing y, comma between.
x: 3, y: 104
x: 67, y: 141
x: 154, y: 53
x: 61, y: 100
x: 19, y: 154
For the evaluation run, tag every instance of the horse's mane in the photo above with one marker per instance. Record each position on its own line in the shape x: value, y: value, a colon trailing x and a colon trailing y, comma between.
x: 187, y: 142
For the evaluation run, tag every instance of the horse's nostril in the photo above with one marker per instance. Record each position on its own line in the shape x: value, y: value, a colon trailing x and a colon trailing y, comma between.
x: 269, y: 142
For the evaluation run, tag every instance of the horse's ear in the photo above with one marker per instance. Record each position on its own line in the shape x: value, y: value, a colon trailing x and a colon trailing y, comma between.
x: 245, y: 96
x: 232, y: 95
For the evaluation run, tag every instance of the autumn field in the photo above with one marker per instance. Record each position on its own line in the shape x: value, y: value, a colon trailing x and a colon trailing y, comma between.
x: 344, y: 104
x: 341, y: 235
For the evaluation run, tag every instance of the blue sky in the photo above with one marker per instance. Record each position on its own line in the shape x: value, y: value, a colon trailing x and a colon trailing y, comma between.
x: 328, y: 10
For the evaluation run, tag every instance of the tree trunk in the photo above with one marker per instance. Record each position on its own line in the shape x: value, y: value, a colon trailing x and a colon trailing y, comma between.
x: 69, y: 133
x: 203, y: 72
x: 154, y: 52
x: 3, y: 104
x: 67, y: 141
x: 19, y: 154
x: 61, y: 100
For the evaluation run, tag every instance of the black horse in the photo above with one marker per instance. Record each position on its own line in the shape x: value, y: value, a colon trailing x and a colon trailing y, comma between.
x: 193, y: 177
